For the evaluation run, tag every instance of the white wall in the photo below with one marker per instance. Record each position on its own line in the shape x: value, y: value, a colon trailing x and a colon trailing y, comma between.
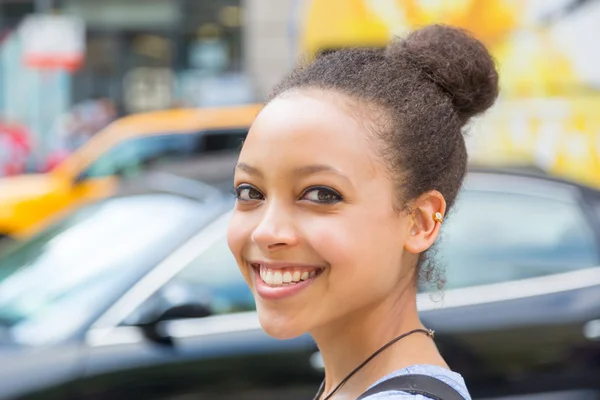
x: 269, y: 43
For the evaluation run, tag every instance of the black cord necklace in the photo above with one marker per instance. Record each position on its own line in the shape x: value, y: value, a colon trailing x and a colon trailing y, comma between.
x: 428, y: 332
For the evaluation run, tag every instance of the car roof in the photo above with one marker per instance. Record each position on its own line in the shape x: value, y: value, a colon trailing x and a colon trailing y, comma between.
x: 532, y: 172
x: 174, y: 121
x: 183, y: 120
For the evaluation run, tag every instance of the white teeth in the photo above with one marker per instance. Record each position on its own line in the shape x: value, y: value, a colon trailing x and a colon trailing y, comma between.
x: 296, y: 276
x: 269, y: 278
x: 283, y: 277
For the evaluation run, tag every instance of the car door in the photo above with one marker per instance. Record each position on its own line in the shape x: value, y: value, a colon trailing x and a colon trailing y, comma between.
x: 210, y: 347
x: 523, y: 288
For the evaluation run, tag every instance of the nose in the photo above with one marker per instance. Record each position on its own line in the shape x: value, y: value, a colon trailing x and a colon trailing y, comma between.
x: 275, y: 230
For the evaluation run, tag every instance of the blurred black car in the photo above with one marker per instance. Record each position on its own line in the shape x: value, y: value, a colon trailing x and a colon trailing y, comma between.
x: 138, y: 297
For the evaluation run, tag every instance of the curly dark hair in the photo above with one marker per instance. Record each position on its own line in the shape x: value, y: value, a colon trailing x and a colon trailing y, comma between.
x: 417, y: 93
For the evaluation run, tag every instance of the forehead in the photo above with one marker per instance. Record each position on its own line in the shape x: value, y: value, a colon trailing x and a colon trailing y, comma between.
x: 302, y: 129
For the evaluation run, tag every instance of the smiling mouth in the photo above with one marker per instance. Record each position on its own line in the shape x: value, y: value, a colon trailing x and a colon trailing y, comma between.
x: 287, y: 276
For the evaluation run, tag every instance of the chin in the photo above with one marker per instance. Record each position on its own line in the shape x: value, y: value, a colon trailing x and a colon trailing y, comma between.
x: 279, y: 325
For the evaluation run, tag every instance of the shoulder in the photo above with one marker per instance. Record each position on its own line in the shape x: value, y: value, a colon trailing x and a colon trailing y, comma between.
x: 451, y: 378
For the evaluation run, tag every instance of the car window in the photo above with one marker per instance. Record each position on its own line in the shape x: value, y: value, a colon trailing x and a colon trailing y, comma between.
x: 494, y: 237
x: 52, y: 283
x: 213, y: 280
x: 136, y: 155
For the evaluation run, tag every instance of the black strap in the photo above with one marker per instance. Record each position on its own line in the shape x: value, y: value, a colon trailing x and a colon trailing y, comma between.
x: 416, y: 384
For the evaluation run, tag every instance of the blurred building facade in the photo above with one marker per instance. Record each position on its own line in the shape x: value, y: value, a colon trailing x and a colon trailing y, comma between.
x: 159, y: 49
x: 271, y: 40
x: 143, y: 55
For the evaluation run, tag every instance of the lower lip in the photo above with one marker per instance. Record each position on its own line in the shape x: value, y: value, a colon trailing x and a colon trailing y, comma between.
x: 279, y: 292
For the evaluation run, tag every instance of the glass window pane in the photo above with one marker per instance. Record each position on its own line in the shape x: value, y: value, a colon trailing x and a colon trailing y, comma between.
x: 78, y: 264
x: 212, y: 280
x: 495, y: 237
x: 136, y: 155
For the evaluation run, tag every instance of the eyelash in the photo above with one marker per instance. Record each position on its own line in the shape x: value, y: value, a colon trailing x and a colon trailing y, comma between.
x: 336, y: 196
x: 237, y: 192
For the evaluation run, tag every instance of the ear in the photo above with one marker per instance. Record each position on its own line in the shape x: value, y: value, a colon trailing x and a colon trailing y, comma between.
x: 423, y: 228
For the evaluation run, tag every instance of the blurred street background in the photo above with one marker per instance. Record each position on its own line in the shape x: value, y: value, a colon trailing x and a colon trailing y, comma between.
x: 69, y: 67
x: 120, y: 123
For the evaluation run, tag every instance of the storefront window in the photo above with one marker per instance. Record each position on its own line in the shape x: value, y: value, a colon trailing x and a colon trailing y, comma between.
x: 157, y: 54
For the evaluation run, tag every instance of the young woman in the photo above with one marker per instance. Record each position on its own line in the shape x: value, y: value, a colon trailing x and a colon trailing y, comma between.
x: 342, y: 186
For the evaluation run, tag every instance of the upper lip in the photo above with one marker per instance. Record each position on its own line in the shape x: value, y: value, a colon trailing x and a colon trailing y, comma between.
x: 284, y: 264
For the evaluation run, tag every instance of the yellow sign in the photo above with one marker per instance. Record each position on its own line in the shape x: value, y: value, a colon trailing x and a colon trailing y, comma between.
x: 549, y: 72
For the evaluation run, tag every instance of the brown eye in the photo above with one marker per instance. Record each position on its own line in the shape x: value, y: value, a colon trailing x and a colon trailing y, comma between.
x: 322, y: 195
x: 248, y: 193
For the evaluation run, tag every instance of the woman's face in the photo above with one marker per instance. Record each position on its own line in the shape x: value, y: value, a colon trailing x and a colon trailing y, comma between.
x: 314, y: 230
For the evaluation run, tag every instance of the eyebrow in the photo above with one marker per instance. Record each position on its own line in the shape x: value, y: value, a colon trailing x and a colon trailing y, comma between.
x: 305, y: 170
x: 249, y: 169
x: 313, y: 169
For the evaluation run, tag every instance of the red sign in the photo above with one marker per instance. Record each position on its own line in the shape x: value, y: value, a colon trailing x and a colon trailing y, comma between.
x: 53, y: 42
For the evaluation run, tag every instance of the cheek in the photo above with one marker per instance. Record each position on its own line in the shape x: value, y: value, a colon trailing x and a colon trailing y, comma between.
x: 330, y: 238
x: 364, y: 252
x: 355, y: 239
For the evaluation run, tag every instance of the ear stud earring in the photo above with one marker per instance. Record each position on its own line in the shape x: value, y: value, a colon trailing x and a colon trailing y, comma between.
x: 438, y: 217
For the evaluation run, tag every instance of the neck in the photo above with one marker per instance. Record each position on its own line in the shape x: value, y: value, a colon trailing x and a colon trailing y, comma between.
x: 346, y: 343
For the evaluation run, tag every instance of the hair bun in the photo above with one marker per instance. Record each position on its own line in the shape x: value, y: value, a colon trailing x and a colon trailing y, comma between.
x: 454, y: 60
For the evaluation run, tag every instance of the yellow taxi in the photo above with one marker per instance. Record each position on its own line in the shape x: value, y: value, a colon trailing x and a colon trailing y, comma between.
x: 124, y: 148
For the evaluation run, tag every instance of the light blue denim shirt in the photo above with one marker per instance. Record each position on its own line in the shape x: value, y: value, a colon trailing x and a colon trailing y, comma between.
x: 451, y: 378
